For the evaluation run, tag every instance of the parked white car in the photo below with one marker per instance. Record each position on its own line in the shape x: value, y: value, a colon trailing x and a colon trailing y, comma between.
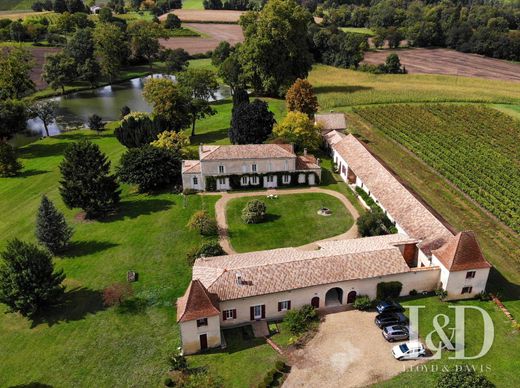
x: 409, y: 351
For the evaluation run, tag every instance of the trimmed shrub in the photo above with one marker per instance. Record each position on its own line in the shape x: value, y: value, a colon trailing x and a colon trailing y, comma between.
x: 362, y: 302
x: 300, y: 320
x: 254, y: 212
x: 464, y: 378
x: 374, y: 223
x: 389, y: 290
x: 9, y: 164
x: 95, y: 123
x: 178, y: 362
x: 413, y: 292
x: 203, y: 223
x: 207, y: 249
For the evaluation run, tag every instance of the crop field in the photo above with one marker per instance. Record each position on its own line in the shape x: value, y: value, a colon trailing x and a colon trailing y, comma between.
x: 474, y: 147
x: 6, y: 5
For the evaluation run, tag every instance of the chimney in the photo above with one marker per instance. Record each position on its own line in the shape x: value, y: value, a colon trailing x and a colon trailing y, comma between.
x: 305, y: 152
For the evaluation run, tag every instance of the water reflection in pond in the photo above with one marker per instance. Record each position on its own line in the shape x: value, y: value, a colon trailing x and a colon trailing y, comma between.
x: 74, y: 109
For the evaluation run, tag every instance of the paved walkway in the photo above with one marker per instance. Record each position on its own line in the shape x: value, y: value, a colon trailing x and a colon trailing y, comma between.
x: 220, y: 213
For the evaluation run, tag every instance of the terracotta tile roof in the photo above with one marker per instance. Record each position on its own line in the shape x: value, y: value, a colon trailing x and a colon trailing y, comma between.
x: 333, y: 137
x: 191, y: 167
x: 412, y: 215
x: 196, y: 303
x: 285, y: 269
x: 461, y: 253
x: 307, y: 162
x: 331, y: 121
x: 246, y: 151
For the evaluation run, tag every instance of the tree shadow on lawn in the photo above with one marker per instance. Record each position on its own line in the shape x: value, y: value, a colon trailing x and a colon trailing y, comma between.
x: 32, y: 172
x: 32, y: 384
x: 76, y: 304
x: 238, y: 339
x: 210, y: 137
x: 135, y: 208
x: 505, y: 290
x: 84, y: 248
x: 269, y: 217
x: 42, y: 150
x: 340, y: 89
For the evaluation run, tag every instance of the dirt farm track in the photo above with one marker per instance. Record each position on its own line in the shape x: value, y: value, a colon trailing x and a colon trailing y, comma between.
x: 449, y: 62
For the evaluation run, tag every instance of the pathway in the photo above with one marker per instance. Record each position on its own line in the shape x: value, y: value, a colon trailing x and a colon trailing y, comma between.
x: 220, y: 213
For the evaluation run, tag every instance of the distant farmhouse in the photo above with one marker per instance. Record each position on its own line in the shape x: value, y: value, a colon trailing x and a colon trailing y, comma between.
x: 227, y: 167
x: 233, y: 290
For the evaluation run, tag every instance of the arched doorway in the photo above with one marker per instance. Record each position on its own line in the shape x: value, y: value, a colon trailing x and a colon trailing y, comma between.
x: 334, y: 297
x: 351, y: 297
x: 315, y: 302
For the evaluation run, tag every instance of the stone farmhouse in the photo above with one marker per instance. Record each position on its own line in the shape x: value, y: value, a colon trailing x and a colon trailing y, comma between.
x: 425, y: 255
x: 226, y: 167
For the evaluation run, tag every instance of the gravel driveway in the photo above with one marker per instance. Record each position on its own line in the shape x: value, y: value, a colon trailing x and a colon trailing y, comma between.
x: 348, y: 351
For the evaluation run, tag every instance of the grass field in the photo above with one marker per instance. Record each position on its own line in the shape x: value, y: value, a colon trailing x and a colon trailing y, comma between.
x: 358, y: 30
x: 500, y: 365
x: 15, y: 5
x: 474, y: 147
x: 283, y: 214
x: 192, y: 4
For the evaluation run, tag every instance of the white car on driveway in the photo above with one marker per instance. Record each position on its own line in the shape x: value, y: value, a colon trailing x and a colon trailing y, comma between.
x: 409, y: 351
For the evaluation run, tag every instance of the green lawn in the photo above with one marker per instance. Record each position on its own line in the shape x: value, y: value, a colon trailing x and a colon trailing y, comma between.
x: 359, y: 30
x: 84, y: 343
x: 502, y: 359
x: 192, y: 4
x: 291, y: 221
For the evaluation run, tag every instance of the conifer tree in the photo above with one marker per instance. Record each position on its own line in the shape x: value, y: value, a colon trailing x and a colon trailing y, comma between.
x: 51, y: 228
x: 28, y: 281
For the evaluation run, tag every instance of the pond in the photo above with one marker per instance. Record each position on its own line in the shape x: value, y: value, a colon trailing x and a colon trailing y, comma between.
x: 75, y: 108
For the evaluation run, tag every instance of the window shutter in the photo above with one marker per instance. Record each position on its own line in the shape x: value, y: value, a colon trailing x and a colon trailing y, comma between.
x: 279, y: 306
x: 263, y: 311
x: 288, y: 305
x: 252, y: 311
x: 234, y: 313
x: 224, y: 315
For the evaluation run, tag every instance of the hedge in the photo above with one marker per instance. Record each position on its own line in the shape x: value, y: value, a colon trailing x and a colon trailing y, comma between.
x: 389, y: 290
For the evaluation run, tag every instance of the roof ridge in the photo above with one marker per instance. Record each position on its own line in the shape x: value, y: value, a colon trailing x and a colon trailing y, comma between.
x: 214, y: 146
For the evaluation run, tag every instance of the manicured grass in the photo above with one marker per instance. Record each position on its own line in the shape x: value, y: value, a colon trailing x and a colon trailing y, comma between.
x: 500, y: 364
x: 291, y: 221
x: 242, y: 351
x: 339, y: 88
x: 83, y: 343
x: 499, y: 244
x: 192, y: 4
x: 359, y: 30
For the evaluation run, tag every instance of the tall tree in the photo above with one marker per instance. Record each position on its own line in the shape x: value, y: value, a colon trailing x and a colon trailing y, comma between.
x: 80, y: 46
x: 201, y: 84
x: 13, y: 118
x: 144, y: 40
x: 59, y: 70
x: 86, y: 181
x: 28, y: 281
x: 89, y: 71
x: 275, y: 51
x: 111, y: 49
x: 51, y: 228
x: 15, y: 68
x: 46, y: 111
x: 169, y: 101
x: 9, y: 164
x: 298, y: 128
x: 251, y: 123
x: 138, y: 129
x: 175, y: 60
x: 300, y: 97
x: 232, y: 73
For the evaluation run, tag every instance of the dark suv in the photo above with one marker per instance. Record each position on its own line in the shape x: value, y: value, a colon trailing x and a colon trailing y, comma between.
x: 389, y: 306
x: 389, y: 319
x: 395, y: 333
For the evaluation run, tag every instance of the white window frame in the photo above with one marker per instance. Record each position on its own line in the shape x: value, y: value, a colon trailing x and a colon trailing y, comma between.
x: 222, y: 181
x: 270, y: 178
x: 254, y: 180
x: 229, y: 314
x: 244, y: 180
x: 195, y: 181
x: 284, y: 305
x: 221, y: 169
x: 471, y: 274
x: 286, y: 179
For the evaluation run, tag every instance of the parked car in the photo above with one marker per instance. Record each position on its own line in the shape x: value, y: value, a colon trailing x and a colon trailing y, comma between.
x: 389, y: 319
x: 389, y: 306
x: 395, y: 333
x: 409, y: 351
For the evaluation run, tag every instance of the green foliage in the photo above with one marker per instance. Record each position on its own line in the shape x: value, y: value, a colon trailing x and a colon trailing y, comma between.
x: 251, y: 123
x: 144, y: 39
x: 52, y: 230
x: 86, y: 181
x: 138, y: 129
x: 28, y: 281
x: 46, y: 111
x: 207, y: 249
x: 254, y: 212
x: 150, y: 168
x: 300, y: 97
x: 15, y: 66
x: 299, y: 321
x: 111, y: 49
x: 375, y: 223
x: 59, y: 69
x: 221, y: 53
x: 362, y: 302
x: 169, y: 101
x: 95, y: 123
x: 231, y: 72
x: 203, y: 223
x: 275, y: 52
x: 337, y: 48
x: 177, y: 142
x: 9, y: 164
x: 13, y: 117
x: 175, y: 60
x: 172, y: 21
x: 178, y: 362
x: 298, y: 129
x: 388, y: 290
x: 463, y: 379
